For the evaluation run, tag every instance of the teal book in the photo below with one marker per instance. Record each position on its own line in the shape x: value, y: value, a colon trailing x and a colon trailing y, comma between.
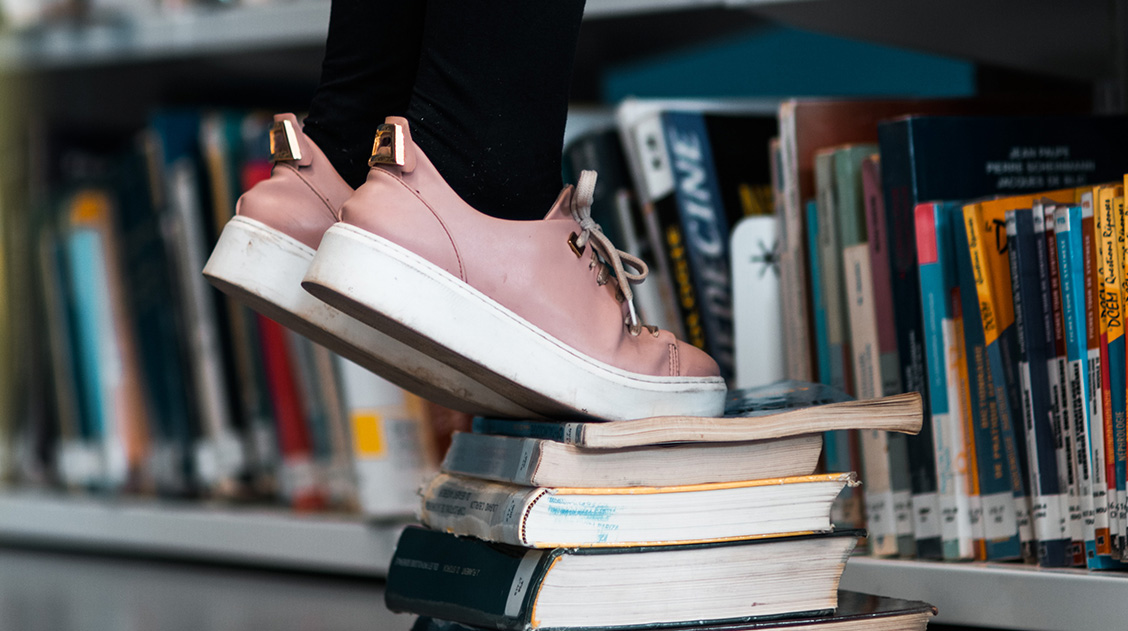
x: 818, y: 308
x: 498, y: 586
x: 939, y: 296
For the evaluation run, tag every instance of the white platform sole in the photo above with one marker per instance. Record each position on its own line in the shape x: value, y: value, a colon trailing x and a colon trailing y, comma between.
x: 263, y: 268
x: 408, y: 297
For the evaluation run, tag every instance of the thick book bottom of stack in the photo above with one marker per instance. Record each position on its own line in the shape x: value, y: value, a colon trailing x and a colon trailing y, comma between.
x: 855, y: 612
x: 506, y: 587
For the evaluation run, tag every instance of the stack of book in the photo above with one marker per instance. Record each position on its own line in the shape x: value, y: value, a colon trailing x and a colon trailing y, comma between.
x: 695, y: 522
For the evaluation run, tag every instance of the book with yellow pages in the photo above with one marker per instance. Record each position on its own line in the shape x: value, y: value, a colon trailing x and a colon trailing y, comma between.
x: 539, y: 517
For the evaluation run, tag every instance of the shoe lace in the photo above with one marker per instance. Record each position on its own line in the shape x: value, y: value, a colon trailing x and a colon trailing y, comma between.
x: 608, y: 254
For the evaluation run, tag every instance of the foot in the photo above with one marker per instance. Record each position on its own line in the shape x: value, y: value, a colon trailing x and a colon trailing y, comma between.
x: 540, y: 311
x: 265, y: 250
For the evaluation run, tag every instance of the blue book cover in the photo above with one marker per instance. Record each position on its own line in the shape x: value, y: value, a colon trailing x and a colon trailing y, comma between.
x: 712, y: 170
x: 1026, y: 243
x: 995, y: 485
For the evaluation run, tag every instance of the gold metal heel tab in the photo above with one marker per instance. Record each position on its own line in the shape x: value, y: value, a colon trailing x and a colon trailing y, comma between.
x: 284, y: 142
x: 388, y: 148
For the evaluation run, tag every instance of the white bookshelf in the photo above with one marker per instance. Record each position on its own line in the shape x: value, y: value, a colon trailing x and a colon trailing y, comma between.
x: 1004, y: 596
x: 262, y: 537
x: 998, y: 595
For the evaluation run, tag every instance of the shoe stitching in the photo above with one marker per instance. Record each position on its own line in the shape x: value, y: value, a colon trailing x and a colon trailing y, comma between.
x: 450, y: 238
x: 675, y: 367
x: 324, y: 200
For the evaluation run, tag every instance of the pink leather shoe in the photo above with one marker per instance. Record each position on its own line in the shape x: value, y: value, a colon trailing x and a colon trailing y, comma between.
x: 265, y: 250
x: 540, y: 311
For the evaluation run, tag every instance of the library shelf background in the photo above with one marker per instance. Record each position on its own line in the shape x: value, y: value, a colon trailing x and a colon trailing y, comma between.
x: 151, y: 51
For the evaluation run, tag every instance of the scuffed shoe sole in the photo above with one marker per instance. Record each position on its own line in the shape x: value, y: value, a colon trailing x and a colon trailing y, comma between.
x: 415, y: 301
x: 263, y: 268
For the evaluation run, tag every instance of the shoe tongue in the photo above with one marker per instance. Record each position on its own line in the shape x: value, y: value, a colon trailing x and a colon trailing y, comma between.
x: 562, y: 208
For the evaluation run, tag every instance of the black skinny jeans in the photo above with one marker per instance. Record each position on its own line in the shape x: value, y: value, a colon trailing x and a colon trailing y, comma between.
x: 484, y: 84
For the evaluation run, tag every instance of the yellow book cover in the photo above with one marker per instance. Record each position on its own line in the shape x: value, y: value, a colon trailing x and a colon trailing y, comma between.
x: 1111, y: 347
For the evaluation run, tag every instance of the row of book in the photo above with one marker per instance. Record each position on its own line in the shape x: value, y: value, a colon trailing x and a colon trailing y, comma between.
x: 958, y: 249
x: 144, y: 379
x: 852, y: 284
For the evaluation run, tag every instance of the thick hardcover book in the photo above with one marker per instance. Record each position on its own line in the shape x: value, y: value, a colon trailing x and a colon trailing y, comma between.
x: 711, y: 165
x: 1026, y: 244
x: 855, y: 612
x: 544, y: 462
x: 567, y: 517
x: 939, y: 286
x: 995, y: 483
x: 787, y: 408
x: 505, y: 587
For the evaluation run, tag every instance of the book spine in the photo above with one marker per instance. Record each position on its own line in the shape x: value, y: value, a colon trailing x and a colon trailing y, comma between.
x: 1067, y: 223
x: 1002, y: 353
x: 863, y: 323
x: 511, y: 461
x: 937, y: 279
x: 1121, y: 433
x: 818, y: 308
x: 653, y: 179
x: 570, y: 433
x: 1098, y: 544
x: 1112, y: 350
x: 1023, y: 241
x: 882, y: 284
x: 705, y: 232
x: 899, y: 194
x: 298, y: 479
x: 1000, y: 525
x: 793, y: 258
x: 841, y: 450
x: 1058, y: 369
x: 464, y: 579
x: 959, y: 357
x: 833, y: 279
x: 493, y: 512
